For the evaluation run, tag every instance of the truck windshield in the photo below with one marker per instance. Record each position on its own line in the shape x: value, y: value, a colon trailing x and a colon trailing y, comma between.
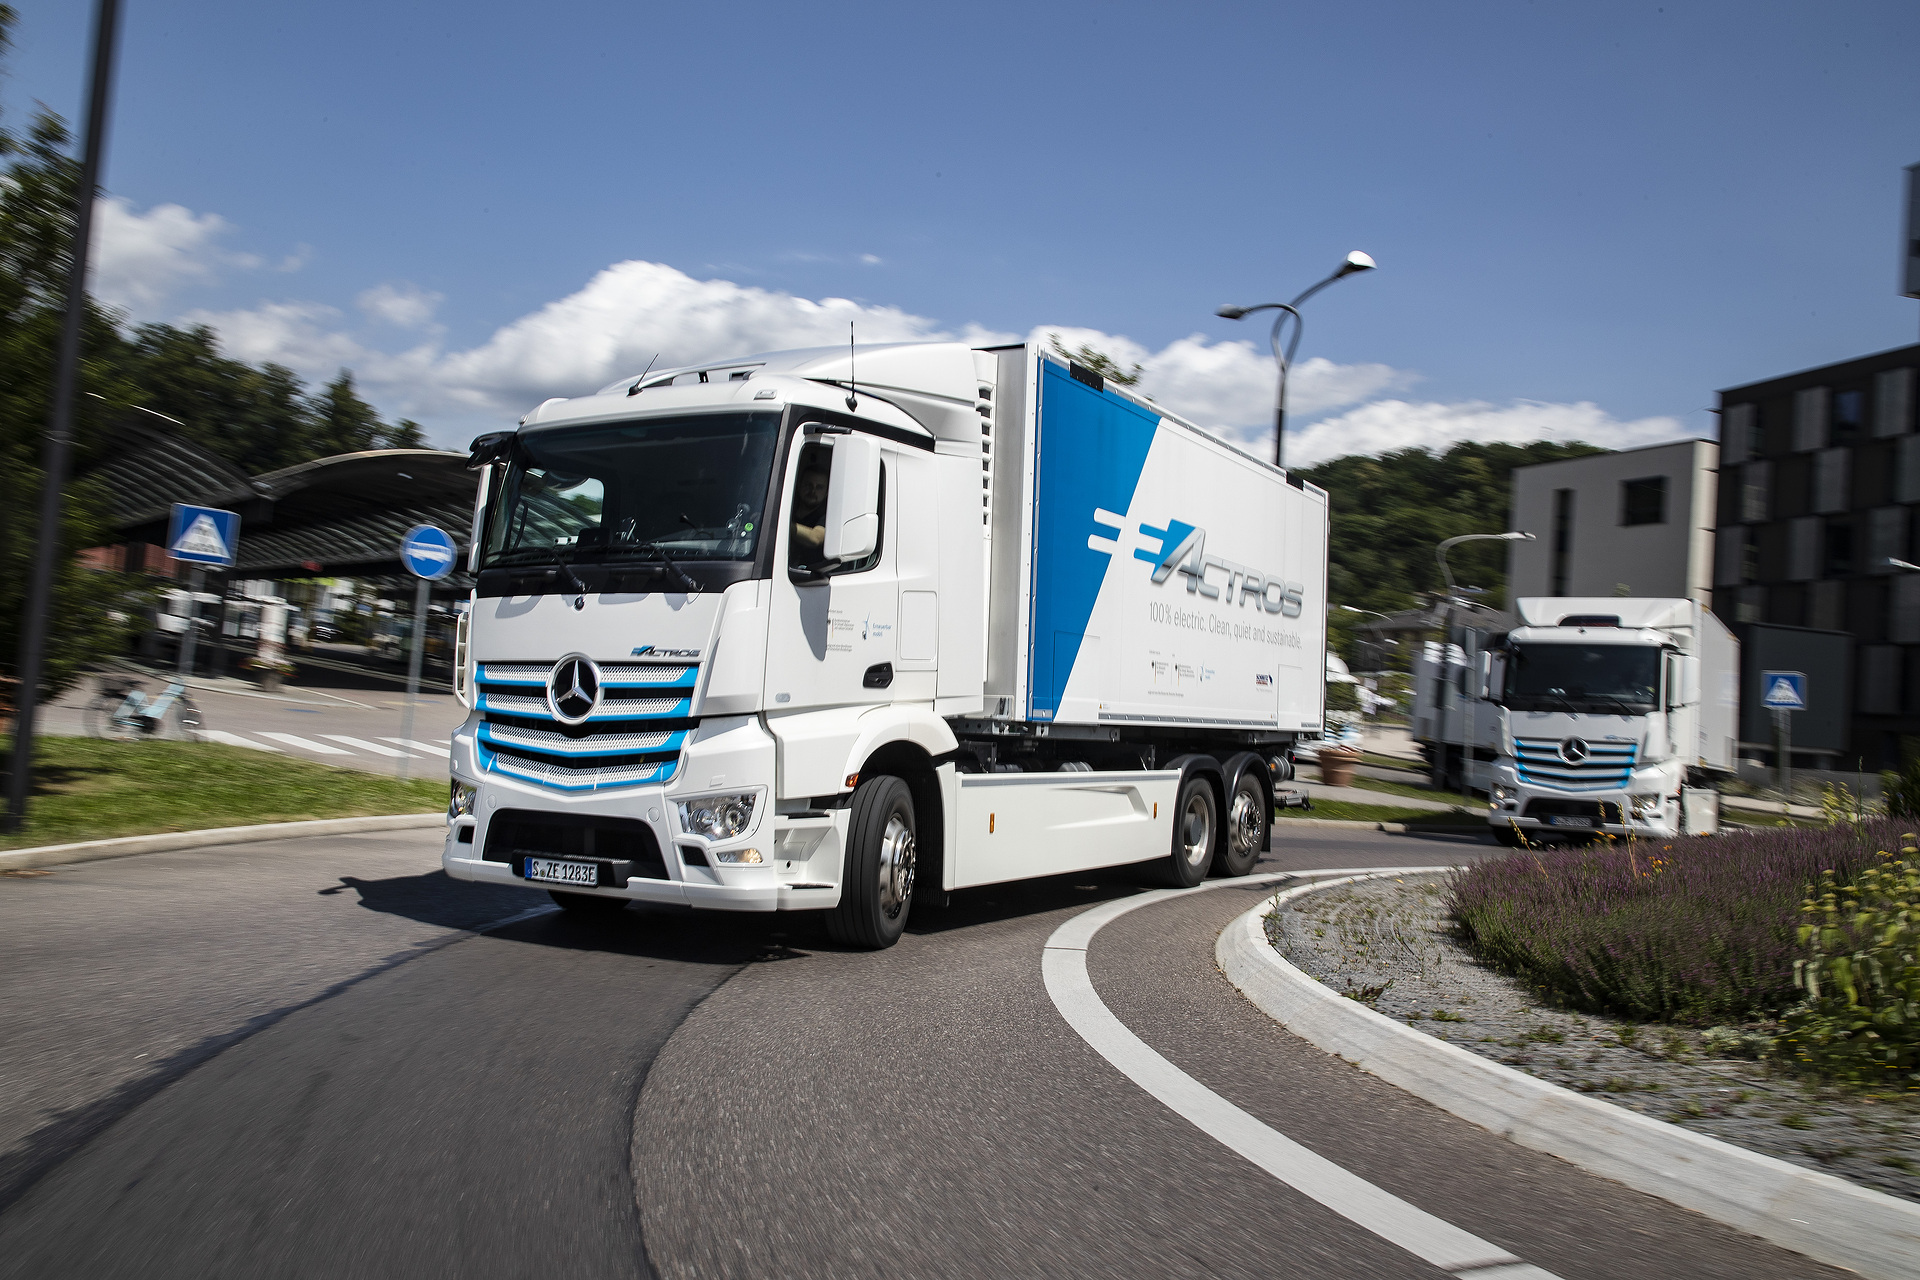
x: 683, y: 488
x: 1611, y: 678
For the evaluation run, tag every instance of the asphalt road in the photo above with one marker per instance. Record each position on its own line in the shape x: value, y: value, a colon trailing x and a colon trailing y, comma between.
x: 351, y: 1080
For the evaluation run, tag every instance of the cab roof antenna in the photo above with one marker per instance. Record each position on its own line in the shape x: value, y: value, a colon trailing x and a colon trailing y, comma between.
x: 634, y: 390
x: 853, y: 387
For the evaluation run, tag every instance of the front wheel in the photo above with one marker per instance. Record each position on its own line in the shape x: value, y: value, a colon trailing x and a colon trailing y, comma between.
x: 876, y: 876
x: 1247, y: 816
x: 183, y: 721
x: 103, y: 719
x: 1195, y: 820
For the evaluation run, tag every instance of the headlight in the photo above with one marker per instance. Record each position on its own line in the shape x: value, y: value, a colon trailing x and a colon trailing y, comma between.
x: 460, y: 800
x: 1645, y: 806
x: 736, y: 855
x: 717, y: 817
x: 1501, y: 791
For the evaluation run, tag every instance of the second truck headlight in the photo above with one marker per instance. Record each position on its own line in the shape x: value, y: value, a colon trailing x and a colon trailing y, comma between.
x: 1645, y: 806
x: 459, y: 800
x: 717, y: 817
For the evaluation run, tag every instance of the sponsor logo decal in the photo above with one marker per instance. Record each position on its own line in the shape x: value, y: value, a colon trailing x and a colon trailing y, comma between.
x: 1183, y: 549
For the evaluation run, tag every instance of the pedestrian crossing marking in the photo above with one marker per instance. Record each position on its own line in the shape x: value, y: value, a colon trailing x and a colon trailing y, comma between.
x: 360, y: 744
x: 414, y: 744
x: 235, y: 740
x: 305, y: 744
x: 202, y: 538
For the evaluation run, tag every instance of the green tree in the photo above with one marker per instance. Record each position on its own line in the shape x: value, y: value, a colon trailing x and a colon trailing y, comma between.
x: 1389, y: 514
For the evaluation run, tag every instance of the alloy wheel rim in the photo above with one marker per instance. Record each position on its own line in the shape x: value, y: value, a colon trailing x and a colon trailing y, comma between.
x: 897, y: 858
x: 1243, y: 825
x: 1196, y: 829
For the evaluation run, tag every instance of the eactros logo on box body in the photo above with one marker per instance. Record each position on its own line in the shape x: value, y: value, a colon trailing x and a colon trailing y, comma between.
x: 1184, y: 542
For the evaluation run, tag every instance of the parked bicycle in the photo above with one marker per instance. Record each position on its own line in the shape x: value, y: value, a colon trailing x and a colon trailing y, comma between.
x: 122, y: 711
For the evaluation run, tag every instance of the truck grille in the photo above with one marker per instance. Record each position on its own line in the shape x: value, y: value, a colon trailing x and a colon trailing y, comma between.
x: 1603, y: 766
x: 633, y: 736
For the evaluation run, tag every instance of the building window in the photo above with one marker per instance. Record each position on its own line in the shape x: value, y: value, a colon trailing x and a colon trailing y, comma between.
x: 1903, y: 615
x: 1838, y: 561
x: 1756, y: 483
x: 1906, y: 469
x: 1562, y: 538
x: 1845, y: 428
x: 1810, y: 420
x: 1750, y: 605
x: 1803, y: 548
x: 1827, y: 606
x: 1831, y: 474
x: 1737, y: 442
x: 1886, y: 537
x: 1893, y: 402
x: 1643, y: 501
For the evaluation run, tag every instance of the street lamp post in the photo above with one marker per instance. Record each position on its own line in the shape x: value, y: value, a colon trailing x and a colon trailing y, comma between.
x: 1446, y: 642
x: 1356, y: 262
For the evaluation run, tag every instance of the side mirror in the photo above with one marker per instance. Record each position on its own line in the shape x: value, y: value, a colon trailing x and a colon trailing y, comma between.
x: 1683, y: 680
x: 853, y: 498
x: 1493, y: 675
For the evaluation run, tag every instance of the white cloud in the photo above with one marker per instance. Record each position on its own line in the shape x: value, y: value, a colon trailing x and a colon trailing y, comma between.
x: 870, y: 259
x: 1383, y: 426
x: 404, y: 306
x: 631, y: 311
x: 141, y: 258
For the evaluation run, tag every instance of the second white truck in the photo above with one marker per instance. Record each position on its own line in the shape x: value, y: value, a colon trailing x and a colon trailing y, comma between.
x: 1593, y: 716
x: 839, y: 629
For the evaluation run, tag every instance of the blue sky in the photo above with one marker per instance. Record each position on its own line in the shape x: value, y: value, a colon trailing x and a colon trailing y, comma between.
x: 1587, y: 218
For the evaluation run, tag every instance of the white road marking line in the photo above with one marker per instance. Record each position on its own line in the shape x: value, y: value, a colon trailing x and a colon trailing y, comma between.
x: 235, y: 740
x: 414, y: 744
x: 1063, y: 966
x: 304, y: 744
x: 361, y: 744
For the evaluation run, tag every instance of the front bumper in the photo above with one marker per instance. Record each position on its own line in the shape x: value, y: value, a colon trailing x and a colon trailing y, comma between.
x: 800, y: 854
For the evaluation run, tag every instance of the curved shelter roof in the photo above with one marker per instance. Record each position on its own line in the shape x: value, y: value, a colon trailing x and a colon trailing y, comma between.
x: 342, y: 516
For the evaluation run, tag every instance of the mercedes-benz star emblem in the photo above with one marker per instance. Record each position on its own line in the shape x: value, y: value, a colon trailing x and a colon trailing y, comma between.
x: 573, y: 689
x: 1573, y: 750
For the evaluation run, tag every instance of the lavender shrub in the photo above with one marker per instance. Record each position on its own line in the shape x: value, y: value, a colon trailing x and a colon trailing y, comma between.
x: 1692, y: 931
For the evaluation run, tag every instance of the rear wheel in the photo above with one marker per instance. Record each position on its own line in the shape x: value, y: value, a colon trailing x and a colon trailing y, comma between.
x: 587, y: 904
x: 183, y: 720
x: 1248, y: 814
x: 103, y: 719
x: 876, y: 876
x: 1195, y: 828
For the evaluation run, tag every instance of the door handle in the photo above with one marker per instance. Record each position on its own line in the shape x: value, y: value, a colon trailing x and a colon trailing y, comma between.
x: 879, y: 676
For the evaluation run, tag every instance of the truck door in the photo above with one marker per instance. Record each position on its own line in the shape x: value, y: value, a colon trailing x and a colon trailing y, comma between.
x: 832, y: 633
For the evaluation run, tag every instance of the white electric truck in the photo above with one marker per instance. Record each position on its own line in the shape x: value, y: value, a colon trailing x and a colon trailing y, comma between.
x: 1592, y: 716
x: 839, y: 629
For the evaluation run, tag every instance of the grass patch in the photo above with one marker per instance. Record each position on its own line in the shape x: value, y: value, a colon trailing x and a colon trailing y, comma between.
x: 86, y: 789
x: 1700, y: 931
x: 1393, y: 762
x: 1341, y: 809
x: 1414, y: 791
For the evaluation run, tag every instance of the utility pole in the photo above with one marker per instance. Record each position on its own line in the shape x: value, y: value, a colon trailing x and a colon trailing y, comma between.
x: 46, y: 559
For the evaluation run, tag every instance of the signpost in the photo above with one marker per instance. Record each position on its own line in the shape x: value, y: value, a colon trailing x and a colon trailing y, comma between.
x: 1783, y: 693
x: 199, y: 536
x: 429, y: 555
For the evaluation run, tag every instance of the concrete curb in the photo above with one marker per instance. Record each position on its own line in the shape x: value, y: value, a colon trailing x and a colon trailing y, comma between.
x: 1816, y: 1214
x: 1393, y: 828
x: 60, y: 855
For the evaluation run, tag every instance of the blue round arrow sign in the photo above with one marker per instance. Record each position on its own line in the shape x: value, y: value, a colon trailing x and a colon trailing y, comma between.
x: 428, y: 552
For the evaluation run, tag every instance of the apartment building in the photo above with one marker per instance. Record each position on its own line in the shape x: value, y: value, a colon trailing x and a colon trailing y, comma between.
x: 1819, y: 483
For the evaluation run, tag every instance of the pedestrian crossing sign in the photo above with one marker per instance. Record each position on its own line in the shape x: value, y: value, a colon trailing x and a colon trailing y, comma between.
x: 203, y: 535
x: 1783, y: 690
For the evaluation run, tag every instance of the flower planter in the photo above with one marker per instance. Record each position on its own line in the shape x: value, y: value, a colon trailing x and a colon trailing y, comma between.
x: 1336, y: 767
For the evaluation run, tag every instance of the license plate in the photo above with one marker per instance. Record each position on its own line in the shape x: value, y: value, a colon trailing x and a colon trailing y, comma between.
x: 561, y: 871
x: 1561, y: 821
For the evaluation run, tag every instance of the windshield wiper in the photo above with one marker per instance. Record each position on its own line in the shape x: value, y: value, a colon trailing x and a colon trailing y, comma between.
x: 673, y: 571
x: 554, y: 557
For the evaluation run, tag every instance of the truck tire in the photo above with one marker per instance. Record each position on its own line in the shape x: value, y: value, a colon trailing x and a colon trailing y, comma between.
x: 876, y: 876
x: 587, y: 904
x: 1248, y: 814
x: 1196, y: 832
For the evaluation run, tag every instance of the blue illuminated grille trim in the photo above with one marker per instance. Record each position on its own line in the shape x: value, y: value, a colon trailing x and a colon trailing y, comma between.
x: 614, y: 747
x: 1608, y: 766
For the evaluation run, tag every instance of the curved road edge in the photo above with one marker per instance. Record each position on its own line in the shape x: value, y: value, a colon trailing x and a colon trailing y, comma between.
x: 66, y: 855
x: 1432, y: 1239
x: 1846, y: 1225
